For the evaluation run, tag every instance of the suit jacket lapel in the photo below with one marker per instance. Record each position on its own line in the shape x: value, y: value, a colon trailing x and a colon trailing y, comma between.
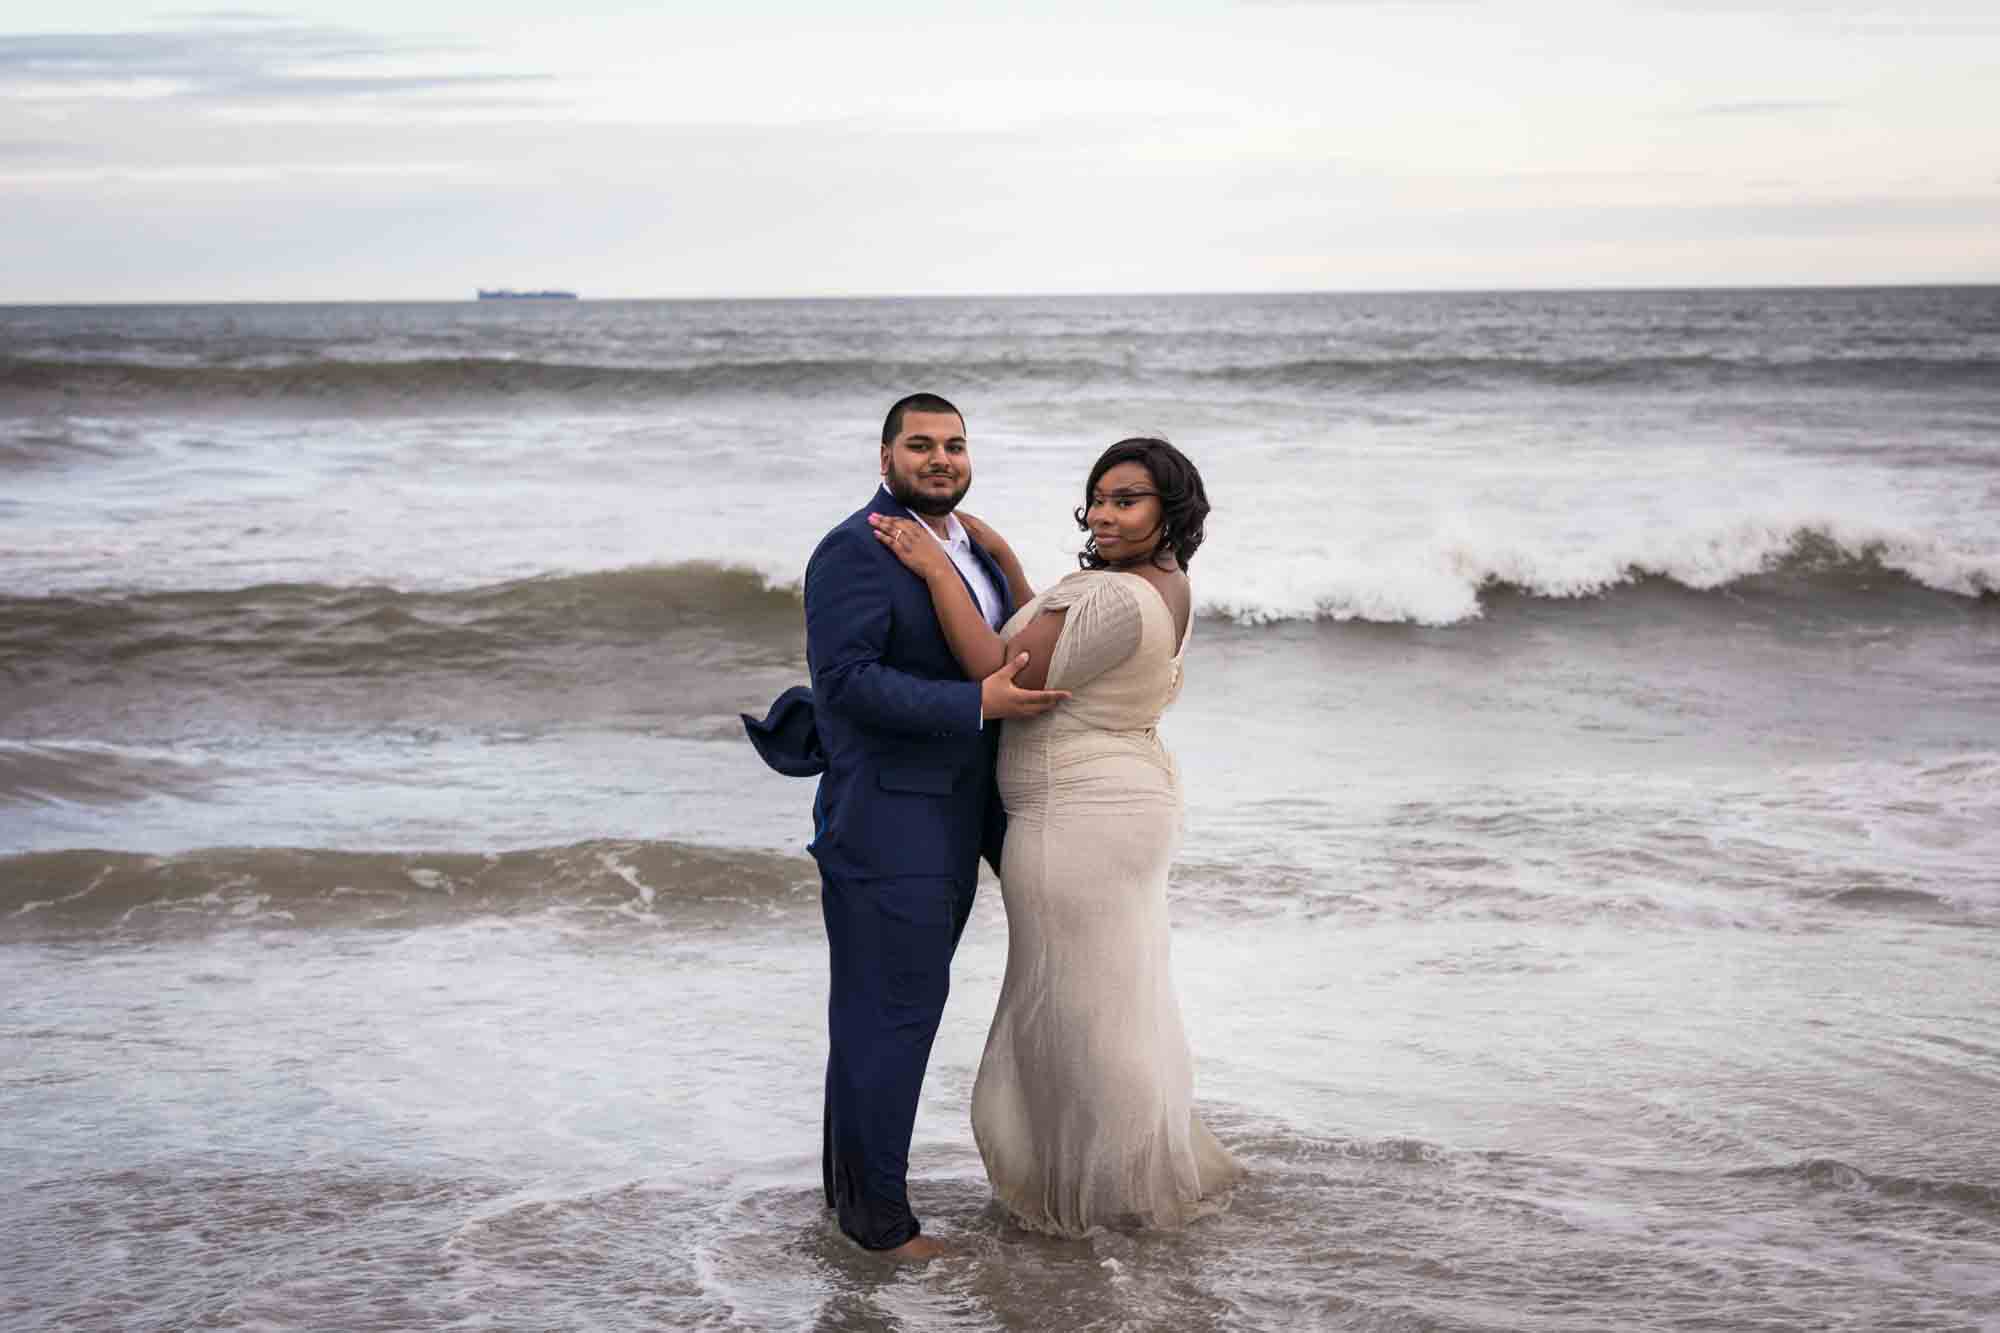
x: 992, y: 568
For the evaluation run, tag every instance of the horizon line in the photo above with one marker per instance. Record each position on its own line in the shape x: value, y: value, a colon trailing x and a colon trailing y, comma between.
x: 581, y: 299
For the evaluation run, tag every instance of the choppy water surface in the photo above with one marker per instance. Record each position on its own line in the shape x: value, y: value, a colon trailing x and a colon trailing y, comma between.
x: 601, y: 1113
x: 1587, y: 916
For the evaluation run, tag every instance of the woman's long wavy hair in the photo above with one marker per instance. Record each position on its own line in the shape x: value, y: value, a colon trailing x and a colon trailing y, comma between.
x: 1183, y: 500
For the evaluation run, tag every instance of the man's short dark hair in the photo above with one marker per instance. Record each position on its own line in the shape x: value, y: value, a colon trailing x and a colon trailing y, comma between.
x: 892, y: 425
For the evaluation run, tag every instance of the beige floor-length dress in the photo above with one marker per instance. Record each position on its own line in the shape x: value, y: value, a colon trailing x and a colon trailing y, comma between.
x: 1083, y: 1108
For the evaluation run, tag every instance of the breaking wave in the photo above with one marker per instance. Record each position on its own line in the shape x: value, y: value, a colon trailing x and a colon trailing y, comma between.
x: 46, y: 773
x: 660, y: 881
x: 1810, y: 570
x: 1833, y: 1175
x: 729, y: 618
x: 374, y: 384
x: 323, y: 630
x: 1434, y: 374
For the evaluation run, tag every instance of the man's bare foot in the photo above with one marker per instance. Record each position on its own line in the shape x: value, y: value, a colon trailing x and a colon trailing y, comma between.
x: 919, y: 1248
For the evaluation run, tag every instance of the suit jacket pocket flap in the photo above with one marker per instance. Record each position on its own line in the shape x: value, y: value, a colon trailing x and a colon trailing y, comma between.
x: 929, y: 781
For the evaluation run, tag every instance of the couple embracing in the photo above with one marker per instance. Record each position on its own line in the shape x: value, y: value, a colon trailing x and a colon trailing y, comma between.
x: 955, y: 712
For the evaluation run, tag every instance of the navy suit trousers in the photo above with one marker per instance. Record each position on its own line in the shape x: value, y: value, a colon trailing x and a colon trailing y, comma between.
x: 890, y: 942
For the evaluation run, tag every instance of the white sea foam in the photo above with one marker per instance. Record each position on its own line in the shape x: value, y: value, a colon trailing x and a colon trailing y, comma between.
x: 1438, y: 578
x: 433, y: 880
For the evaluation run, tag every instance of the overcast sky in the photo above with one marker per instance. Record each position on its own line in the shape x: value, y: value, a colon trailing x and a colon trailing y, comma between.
x: 375, y: 150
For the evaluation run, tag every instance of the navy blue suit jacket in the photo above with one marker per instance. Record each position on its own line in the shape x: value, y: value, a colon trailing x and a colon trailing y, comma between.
x: 908, y: 786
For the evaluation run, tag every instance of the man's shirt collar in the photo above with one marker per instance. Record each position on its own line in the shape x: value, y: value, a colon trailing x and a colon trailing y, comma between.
x: 955, y: 533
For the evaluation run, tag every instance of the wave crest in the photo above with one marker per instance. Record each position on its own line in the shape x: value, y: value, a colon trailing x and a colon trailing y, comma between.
x: 1403, y: 375
x: 720, y: 620
x: 1833, y: 1175
x: 46, y: 773
x: 1822, y: 565
x: 220, y: 887
x: 366, y: 383
x: 321, y: 629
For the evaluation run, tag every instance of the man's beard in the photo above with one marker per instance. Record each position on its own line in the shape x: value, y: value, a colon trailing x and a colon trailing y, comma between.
x: 917, y: 502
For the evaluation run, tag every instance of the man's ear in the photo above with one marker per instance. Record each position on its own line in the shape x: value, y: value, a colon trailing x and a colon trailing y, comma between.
x: 885, y: 460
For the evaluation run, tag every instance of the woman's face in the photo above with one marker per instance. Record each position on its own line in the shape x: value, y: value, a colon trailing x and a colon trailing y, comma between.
x: 1124, y: 514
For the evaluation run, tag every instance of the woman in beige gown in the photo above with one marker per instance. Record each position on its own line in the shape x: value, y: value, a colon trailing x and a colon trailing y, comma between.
x: 1083, y: 1109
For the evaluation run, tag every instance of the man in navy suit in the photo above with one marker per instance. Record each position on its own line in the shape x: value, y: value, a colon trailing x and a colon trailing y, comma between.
x: 905, y: 805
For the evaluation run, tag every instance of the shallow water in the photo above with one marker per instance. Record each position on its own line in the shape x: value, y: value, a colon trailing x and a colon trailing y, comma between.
x: 603, y: 1116
x: 1587, y: 916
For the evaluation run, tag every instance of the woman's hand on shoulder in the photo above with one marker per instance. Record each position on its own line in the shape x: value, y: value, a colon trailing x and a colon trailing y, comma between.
x: 919, y: 552
x: 982, y: 533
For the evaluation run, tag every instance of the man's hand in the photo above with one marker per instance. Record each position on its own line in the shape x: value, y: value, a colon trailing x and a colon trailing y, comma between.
x: 1000, y: 697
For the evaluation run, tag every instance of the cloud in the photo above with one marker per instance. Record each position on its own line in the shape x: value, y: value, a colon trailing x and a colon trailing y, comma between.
x: 41, y: 150
x: 230, y: 56
x: 315, y: 87
x: 1763, y: 108
x: 1941, y: 18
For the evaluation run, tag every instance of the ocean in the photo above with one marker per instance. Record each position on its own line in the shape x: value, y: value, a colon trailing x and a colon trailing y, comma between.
x: 1588, y: 915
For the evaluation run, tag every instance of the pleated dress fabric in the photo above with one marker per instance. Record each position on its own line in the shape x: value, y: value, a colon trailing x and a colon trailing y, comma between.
x: 1083, y: 1109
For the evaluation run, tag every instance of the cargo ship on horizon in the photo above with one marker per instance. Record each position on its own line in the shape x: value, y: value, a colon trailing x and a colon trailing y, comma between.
x: 509, y: 294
